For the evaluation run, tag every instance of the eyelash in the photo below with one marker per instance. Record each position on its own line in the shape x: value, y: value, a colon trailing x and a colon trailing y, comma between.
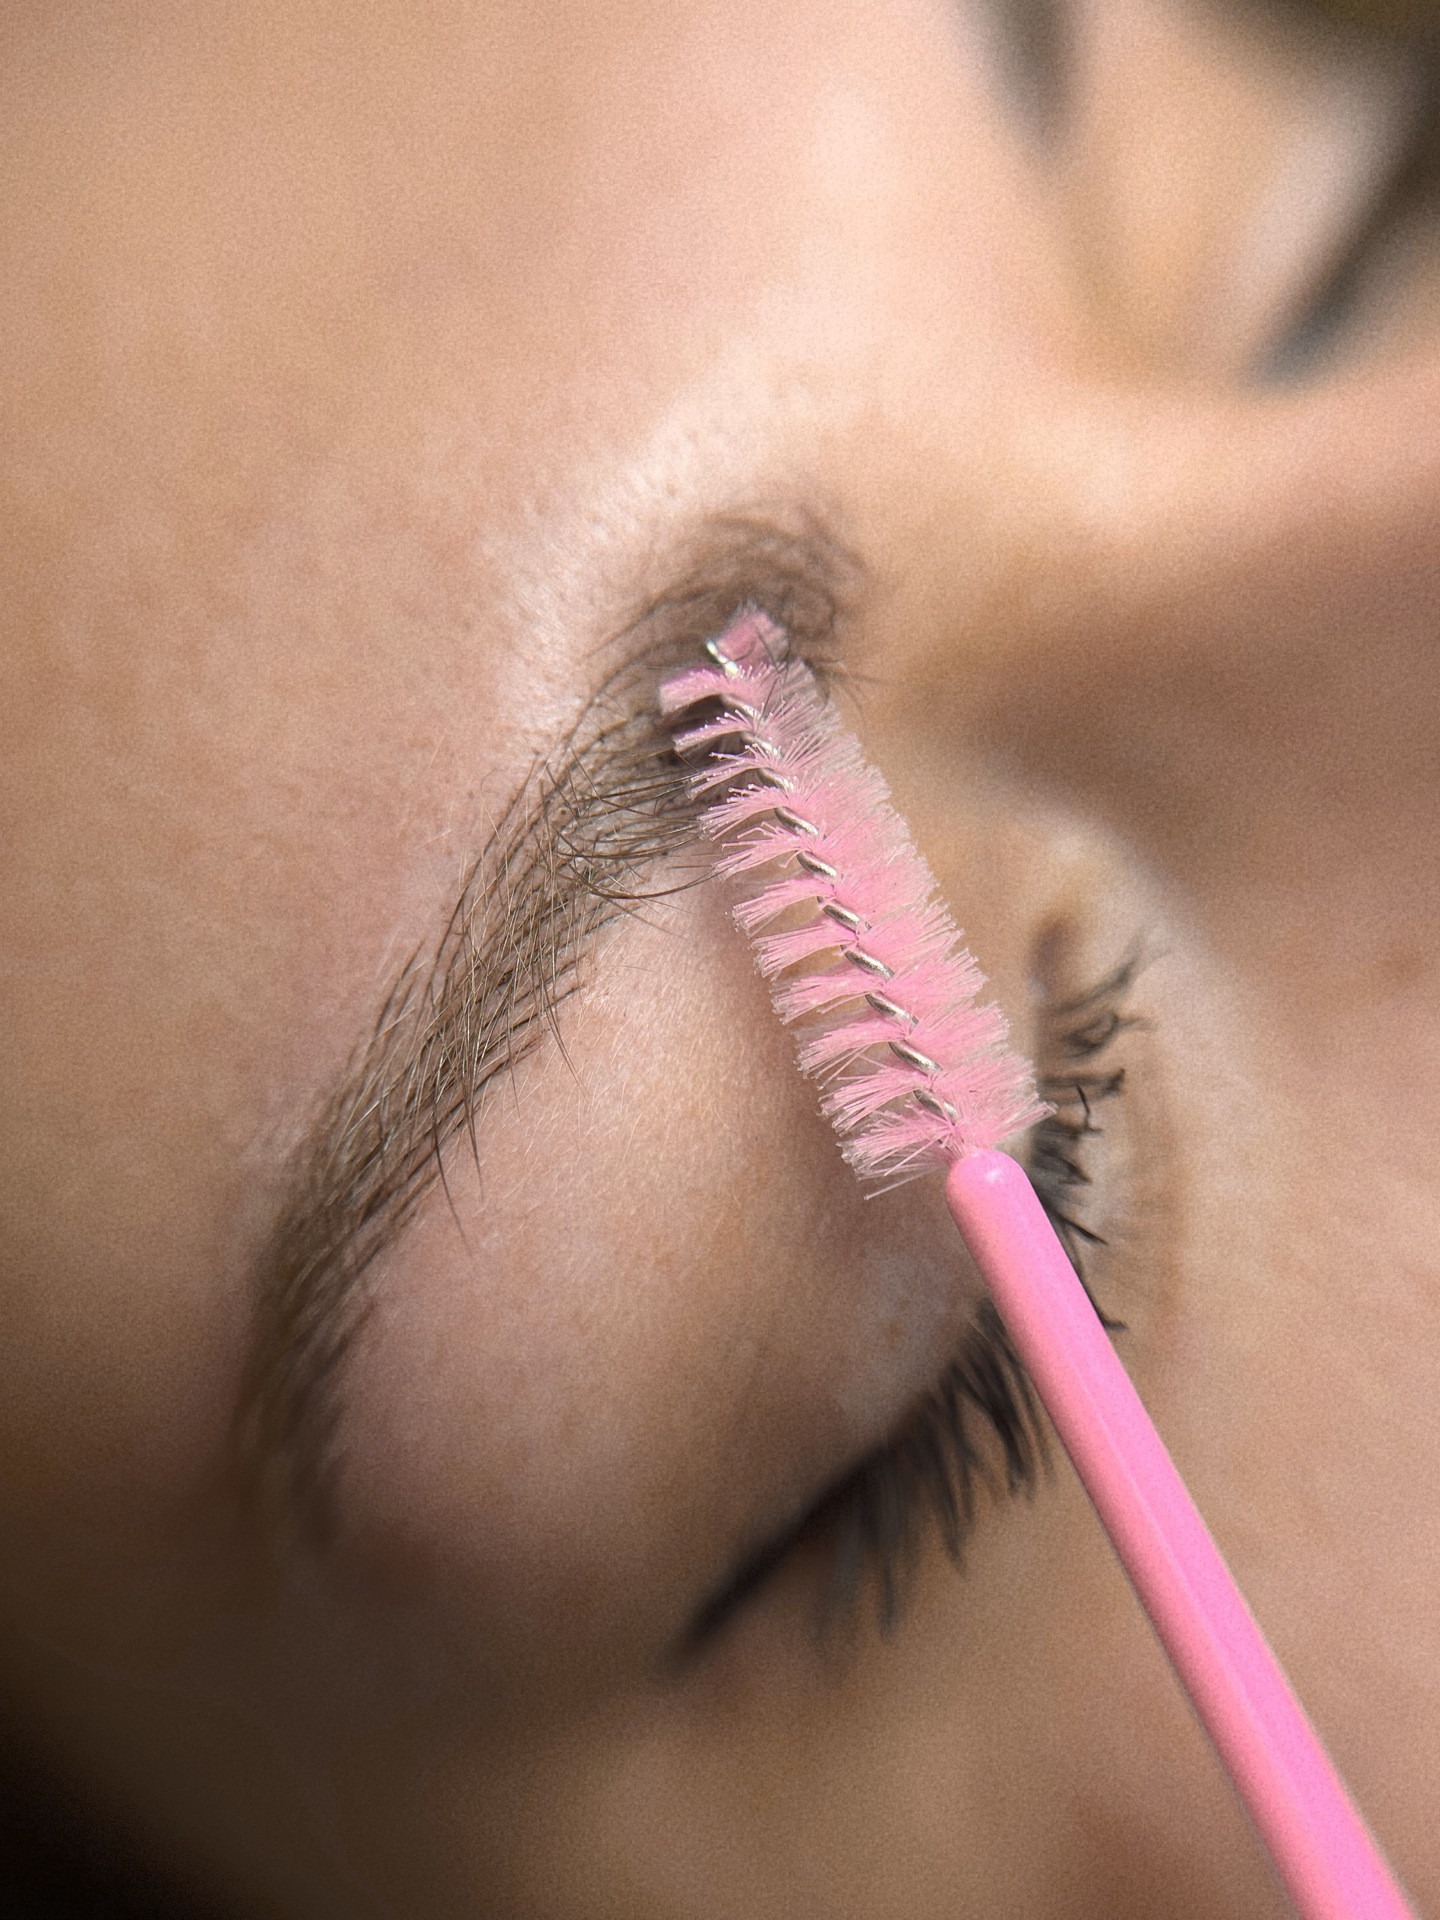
x: 927, y: 1476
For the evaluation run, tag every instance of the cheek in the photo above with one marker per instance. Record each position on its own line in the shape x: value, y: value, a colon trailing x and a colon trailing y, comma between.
x: 656, y: 1313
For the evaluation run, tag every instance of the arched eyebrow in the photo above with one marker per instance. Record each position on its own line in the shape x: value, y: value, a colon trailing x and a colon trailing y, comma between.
x: 579, y: 845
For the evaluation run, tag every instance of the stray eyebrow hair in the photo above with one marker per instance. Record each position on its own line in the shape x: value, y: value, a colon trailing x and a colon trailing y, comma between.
x: 573, y: 851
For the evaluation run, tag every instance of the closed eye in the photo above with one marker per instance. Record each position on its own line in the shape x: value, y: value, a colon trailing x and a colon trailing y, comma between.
x: 1365, y: 295
x: 977, y: 1431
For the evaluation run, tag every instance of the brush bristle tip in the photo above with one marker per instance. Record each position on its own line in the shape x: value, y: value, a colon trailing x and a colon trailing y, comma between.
x: 837, y: 824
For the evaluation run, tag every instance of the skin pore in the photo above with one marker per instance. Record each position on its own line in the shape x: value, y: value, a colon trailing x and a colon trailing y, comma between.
x: 380, y: 382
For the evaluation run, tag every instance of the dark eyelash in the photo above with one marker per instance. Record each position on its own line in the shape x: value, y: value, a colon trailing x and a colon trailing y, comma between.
x: 1075, y: 1036
x: 928, y: 1475
x: 874, y: 1523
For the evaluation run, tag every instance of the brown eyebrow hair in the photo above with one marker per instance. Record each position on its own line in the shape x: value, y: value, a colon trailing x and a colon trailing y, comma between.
x: 576, y: 848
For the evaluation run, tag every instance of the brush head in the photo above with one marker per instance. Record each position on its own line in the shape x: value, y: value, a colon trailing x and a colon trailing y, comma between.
x: 862, y: 959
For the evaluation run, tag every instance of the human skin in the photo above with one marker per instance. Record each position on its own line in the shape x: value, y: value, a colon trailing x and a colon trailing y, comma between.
x: 367, y: 370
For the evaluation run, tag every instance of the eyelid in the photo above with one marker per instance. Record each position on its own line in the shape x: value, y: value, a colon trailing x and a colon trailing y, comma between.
x: 929, y: 1471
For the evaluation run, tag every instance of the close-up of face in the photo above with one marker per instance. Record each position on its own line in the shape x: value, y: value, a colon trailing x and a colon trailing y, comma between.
x: 468, y: 1444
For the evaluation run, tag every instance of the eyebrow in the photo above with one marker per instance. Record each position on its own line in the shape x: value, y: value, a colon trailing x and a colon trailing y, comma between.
x: 576, y: 848
x: 1032, y: 46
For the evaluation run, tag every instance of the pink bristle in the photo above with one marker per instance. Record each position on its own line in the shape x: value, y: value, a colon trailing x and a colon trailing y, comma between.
x: 786, y: 782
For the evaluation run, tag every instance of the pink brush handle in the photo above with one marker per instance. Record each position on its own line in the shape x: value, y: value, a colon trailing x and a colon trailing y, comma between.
x: 1317, y: 1840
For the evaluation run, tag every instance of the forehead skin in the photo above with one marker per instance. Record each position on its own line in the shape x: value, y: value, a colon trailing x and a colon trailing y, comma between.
x: 366, y: 368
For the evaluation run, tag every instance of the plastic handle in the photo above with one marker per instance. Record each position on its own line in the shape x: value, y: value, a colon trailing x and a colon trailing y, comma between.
x: 1320, y: 1845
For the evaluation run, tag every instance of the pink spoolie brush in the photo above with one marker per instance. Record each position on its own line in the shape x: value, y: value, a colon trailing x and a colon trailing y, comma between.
x: 917, y: 1076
